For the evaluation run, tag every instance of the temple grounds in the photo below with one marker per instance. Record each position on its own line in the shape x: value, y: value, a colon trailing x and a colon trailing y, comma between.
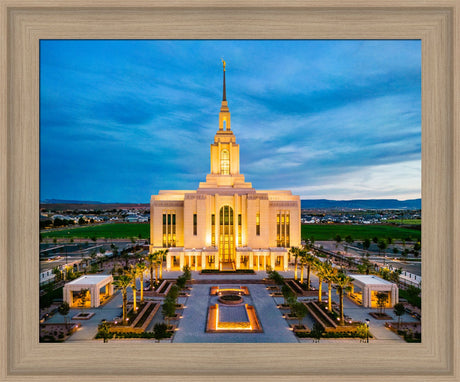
x: 191, y: 328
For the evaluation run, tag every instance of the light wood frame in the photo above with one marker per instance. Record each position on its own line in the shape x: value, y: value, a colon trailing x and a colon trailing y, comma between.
x: 24, y: 22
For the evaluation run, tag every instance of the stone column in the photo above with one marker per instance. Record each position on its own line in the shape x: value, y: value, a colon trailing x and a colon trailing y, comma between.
x: 272, y: 260
x: 168, y: 262
x: 366, y: 297
x: 216, y: 263
x: 251, y: 260
x: 265, y: 261
x: 393, y: 300
x: 238, y: 260
x: 285, y: 261
x: 181, y: 263
x: 203, y: 260
x: 196, y: 261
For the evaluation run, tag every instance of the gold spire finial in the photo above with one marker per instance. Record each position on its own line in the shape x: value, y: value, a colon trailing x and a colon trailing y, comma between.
x: 223, y: 62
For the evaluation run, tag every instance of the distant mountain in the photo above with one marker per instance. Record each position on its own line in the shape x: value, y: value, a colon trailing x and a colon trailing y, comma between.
x: 370, y: 204
x: 62, y: 201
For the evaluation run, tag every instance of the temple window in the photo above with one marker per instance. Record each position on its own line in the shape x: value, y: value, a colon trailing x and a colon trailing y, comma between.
x: 224, y: 162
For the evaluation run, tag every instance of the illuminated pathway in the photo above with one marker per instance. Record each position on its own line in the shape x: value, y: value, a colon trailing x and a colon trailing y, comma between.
x: 193, y: 324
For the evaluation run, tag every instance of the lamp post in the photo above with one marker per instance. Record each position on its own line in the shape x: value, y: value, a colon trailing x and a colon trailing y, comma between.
x: 367, y: 329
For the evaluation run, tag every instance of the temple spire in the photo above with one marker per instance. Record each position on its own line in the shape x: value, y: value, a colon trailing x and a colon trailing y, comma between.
x: 224, y: 94
x: 224, y: 115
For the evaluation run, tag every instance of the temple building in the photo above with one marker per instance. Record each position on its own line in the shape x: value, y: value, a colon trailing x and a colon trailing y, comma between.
x: 225, y: 224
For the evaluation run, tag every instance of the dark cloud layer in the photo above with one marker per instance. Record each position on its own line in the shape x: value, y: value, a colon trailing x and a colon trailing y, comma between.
x: 120, y: 120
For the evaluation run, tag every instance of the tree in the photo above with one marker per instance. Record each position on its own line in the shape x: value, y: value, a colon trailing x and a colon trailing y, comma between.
x: 321, y: 272
x: 152, y: 261
x: 104, y: 331
x: 133, y: 273
x: 160, y: 331
x: 375, y: 239
x: 309, y: 261
x: 338, y: 240
x: 329, y: 274
x: 343, y: 284
x: 366, y: 244
x: 141, y: 268
x: 399, y: 310
x: 123, y: 282
x: 299, y: 310
x: 303, y: 260
x: 161, y: 256
x: 57, y: 274
x: 382, y: 245
x: 382, y: 298
x: 64, y: 310
x: 125, y: 256
x: 83, y: 297
x: 287, y: 293
x: 349, y: 239
x: 361, y: 331
x: 168, y: 309
x: 317, y: 331
x: 294, y: 251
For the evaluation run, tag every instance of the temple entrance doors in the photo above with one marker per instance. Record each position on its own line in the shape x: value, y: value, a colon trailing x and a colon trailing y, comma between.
x: 226, y: 235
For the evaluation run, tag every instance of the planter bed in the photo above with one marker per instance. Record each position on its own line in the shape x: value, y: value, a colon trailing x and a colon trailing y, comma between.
x: 297, y: 329
x: 83, y: 316
x: 380, y: 316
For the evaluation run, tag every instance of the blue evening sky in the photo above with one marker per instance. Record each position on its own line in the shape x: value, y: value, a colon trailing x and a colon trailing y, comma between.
x: 121, y: 120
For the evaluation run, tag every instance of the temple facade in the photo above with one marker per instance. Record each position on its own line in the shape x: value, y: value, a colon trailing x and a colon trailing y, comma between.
x: 225, y: 224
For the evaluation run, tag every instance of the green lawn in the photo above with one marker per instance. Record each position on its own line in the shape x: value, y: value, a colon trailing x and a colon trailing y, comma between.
x: 317, y: 231
x: 110, y: 231
x: 357, y: 232
x: 406, y: 221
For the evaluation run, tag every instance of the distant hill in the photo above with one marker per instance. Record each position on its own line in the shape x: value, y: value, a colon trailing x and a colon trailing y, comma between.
x: 63, y: 201
x: 62, y: 205
x: 370, y: 204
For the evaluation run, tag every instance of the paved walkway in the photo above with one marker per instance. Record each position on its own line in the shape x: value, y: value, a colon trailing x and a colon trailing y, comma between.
x: 193, y: 324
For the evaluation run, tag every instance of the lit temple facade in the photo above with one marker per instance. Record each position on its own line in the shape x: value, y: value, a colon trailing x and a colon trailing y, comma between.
x: 225, y: 224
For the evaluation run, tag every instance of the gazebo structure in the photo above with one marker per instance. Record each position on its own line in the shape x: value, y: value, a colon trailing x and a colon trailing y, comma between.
x: 365, y: 288
x: 99, y: 287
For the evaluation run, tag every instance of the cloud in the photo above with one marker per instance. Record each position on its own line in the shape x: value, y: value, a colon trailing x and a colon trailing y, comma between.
x: 120, y: 120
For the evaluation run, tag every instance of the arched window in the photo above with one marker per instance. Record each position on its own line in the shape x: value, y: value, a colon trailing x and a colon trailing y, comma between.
x: 224, y: 162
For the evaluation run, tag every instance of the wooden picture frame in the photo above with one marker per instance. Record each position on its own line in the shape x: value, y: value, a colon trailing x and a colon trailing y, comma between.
x: 24, y: 23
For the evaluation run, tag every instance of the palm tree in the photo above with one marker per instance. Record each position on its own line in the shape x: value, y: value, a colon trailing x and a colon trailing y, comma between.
x: 294, y: 251
x: 161, y: 255
x: 151, y: 260
x: 321, y: 272
x: 133, y: 273
x: 303, y: 262
x: 310, y: 260
x: 123, y: 282
x: 141, y: 268
x: 343, y: 284
x: 329, y: 273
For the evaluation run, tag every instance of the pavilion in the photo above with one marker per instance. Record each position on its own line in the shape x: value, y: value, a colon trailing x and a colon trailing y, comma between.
x: 94, y: 284
x: 365, y: 288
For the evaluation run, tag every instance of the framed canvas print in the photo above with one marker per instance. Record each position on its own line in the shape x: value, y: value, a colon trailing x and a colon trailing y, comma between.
x: 224, y: 281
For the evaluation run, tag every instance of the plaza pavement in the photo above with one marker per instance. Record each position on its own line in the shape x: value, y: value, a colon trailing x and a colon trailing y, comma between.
x: 193, y: 324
